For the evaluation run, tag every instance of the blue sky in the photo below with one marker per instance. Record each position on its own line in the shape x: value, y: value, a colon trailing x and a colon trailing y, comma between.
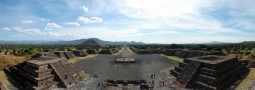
x: 150, y: 21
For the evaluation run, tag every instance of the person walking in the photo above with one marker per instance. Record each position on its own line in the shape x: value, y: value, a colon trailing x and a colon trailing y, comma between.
x: 163, y: 83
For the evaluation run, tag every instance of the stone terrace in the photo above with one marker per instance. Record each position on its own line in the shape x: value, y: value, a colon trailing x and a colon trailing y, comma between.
x: 208, y: 72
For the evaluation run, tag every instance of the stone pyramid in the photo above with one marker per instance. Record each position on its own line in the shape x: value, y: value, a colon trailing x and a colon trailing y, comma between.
x: 92, y: 43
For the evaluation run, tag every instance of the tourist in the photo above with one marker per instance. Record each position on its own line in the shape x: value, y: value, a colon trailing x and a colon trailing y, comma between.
x: 163, y: 83
x: 98, y: 84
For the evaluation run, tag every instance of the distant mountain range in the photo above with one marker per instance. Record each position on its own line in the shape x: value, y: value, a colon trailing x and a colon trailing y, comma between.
x: 79, y: 41
x: 72, y: 42
x: 216, y: 42
x: 248, y: 42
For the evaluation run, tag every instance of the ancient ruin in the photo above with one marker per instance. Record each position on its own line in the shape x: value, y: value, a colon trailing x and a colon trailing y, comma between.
x: 126, y: 85
x: 188, y: 53
x: 44, y: 72
x: 92, y: 43
x: 65, y: 54
x: 208, y: 72
x: 45, y: 54
x: 92, y: 51
x: 80, y: 53
x: 152, y: 51
x: 125, y: 57
x: 125, y: 60
x: 106, y: 51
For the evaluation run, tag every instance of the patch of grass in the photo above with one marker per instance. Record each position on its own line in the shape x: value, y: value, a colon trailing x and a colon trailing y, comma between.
x: 247, y: 81
x: 81, y: 75
x: 166, y: 69
x: 130, y: 51
x: 173, y: 58
x: 76, y: 59
x: 120, y: 51
x: 10, y: 60
x: 3, y: 78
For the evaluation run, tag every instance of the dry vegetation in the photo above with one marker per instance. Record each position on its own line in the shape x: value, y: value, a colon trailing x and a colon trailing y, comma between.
x: 81, y: 75
x: 7, y: 61
x: 76, y: 59
x: 173, y: 58
x: 247, y: 81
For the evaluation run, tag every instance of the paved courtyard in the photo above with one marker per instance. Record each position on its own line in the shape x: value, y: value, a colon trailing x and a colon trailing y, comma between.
x: 103, y: 67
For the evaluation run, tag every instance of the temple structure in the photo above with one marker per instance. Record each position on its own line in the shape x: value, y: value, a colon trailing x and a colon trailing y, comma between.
x: 92, y: 51
x: 65, y: 54
x: 92, y: 43
x: 188, y: 53
x: 209, y: 72
x: 80, y: 53
x: 44, y: 72
x: 106, y: 51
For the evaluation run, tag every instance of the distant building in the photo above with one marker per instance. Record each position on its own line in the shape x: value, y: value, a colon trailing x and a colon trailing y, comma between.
x: 92, y: 43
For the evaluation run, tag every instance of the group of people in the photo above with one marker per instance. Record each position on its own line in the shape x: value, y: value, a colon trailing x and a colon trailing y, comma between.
x: 153, y: 76
x: 162, y: 82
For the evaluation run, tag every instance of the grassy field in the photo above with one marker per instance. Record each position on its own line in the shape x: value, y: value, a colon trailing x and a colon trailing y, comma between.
x: 173, y: 58
x: 76, y: 59
x: 120, y: 51
x: 7, y: 61
x: 10, y: 60
x: 247, y: 81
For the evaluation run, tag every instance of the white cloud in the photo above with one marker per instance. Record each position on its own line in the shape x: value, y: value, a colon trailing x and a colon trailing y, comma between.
x: 27, y: 30
x: 84, y: 8
x: 27, y: 21
x: 51, y: 26
x: 43, y: 19
x: 6, y: 28
x: 82, y: 19
x: 72, y: 23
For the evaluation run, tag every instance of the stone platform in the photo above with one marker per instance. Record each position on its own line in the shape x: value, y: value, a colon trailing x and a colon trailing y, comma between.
x: 208, y: 72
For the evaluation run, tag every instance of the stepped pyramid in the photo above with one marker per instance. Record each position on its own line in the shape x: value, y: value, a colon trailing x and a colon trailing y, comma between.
x: 43, y: 73
x: 209, y: 72
x: 92, y: 43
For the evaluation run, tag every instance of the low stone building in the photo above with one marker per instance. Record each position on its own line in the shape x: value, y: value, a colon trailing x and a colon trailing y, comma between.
x: 65, y: 54
x: 209, y: 72
x: 44, y: 73
x: 171, y: 52
x: 80, y: 53
x: 92, y: 51
x: 106, y: 51
x: 45, y: 54
x: 188, y: 53
x: 150, y: 51
x: 127, y: 85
